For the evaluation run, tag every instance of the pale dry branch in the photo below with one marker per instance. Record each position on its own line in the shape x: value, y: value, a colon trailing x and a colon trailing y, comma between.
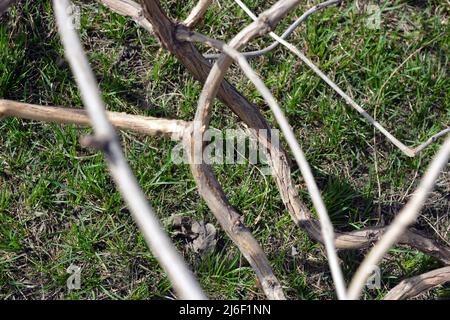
x: 409, y: 288
x: 197, y: 13
x: 174, y: 129
x: 130, y: 9
x: 411, y: 152
x: 326, y: 225
x: 134, y: 10
x: 181, y: 277
x: 250, y: 114
x: 404, y: 218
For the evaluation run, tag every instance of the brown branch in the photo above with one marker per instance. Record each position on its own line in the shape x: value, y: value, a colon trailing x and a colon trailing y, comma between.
x: 249, y: 113
x: 208, y: 187
x: 146, y: 125
x: 414, y: 286
x: 203, y: 173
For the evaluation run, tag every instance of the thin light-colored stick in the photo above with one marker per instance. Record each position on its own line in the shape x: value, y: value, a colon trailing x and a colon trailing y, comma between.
x: 146, y: 125
x: 409, y: 288
x: 326, y: 225
x: 197, y: 13
x: 411, y: 152
x: 182, y: 279
x: 404, y: 218
x: 286, y: 33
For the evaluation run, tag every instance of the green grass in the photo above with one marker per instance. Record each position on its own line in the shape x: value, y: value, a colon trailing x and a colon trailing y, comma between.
x: 59, y: 207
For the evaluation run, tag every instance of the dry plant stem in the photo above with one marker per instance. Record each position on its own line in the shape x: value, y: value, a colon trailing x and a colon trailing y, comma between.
x: 326, y: 226
x: 249, y: 113
x: 287, y: 33
x: 208, y: 187
x: 404, y: 218
x: 411, y: 152
x: 130, y: 9
x: 409, y: 288
x: 181, y: 277
x: 197, y: 13
x: 174, y: 129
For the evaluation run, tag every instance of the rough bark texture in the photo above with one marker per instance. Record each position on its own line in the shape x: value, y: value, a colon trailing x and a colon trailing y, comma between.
x: 409, y: 288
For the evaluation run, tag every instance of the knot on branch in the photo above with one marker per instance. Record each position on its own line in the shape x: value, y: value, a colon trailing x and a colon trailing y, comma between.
x: 265, y: 24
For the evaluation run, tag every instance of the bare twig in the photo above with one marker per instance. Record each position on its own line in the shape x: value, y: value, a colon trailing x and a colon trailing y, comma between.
x: 326, y: 226
x: 197, y: 13
x: 287, y: 33
x: 146, y: 125
x: 158, y: 241
x: 411, y: 152
x: 404, y: 218
x: 409, y: 288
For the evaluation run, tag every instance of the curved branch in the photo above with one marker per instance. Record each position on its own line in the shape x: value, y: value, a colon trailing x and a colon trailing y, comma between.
x: 409, y: 288
x: 203, y: 174
x: 105, y: 137
x: 410, y: 152
x: 326, y: 225
x: 278, y: 160
x: 286, y: 33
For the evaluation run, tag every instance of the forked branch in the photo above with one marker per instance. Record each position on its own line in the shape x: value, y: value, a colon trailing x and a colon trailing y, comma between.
x: 404, y: 218
x: 326, y: 226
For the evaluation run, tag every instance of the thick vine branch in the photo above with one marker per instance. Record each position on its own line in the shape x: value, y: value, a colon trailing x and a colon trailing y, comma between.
x: 208, y: 185
x: 249, y: 113
x: 409, y: 288
x: 326, y: 226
